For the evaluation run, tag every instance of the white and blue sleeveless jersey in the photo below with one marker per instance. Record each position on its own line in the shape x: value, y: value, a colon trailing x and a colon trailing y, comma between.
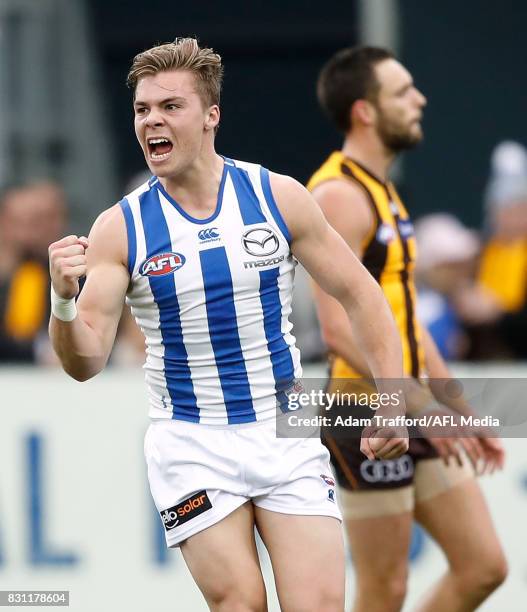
x: 213, y: 298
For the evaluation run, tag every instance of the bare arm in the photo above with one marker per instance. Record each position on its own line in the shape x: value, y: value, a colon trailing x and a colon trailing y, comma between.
x: 337, y: 270
x: 339, y: 273
x: 347, y: 210
x: 484, y: 449
x: 84, y: 344
x: 439, y: 373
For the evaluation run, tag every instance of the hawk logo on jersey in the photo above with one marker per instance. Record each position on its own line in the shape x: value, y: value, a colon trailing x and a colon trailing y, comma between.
x: 161, y: 264
x: 394, y: 208
x: 186, y: 510
x: 260, y: 242
x: 385, y: 233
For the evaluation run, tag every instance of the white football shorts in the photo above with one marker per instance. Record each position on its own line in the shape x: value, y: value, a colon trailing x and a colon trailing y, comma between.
x: 199, y: 474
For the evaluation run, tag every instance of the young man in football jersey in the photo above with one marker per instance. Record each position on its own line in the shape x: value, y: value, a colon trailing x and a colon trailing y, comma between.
x: 373, y: 101
x: 203, y: 253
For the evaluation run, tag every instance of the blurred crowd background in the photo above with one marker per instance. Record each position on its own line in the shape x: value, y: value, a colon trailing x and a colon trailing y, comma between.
x: 67, y: 147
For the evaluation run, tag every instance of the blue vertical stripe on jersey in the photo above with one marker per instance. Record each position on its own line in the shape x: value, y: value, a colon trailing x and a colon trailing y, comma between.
x: 280, y: 355
x: 248, y: 202
x: 224, y: 337
x: 130, y: 232
x: 269, y: 198
x: 177, y: 371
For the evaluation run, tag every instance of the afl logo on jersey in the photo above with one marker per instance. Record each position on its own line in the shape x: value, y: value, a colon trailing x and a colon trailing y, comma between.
x: 385, y: 233
x: 161, y: 264
x: 260, y: 242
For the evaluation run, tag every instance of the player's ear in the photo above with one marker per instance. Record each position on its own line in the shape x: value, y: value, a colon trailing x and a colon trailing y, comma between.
x: 212, y: 118
x: 363, y: 112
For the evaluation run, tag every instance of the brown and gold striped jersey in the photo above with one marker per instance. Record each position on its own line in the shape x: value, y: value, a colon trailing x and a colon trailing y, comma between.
x: 388, y: 253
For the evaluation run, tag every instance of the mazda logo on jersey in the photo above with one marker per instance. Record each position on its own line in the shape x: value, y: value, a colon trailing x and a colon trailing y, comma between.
x: 161, y: 264
x: 260, y: 242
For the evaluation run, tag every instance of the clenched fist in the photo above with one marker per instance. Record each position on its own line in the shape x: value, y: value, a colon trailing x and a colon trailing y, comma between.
x: 67, y: 263
x: 384, y: 442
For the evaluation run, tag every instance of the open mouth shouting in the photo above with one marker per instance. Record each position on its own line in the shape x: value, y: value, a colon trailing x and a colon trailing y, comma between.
x: 159, y: 148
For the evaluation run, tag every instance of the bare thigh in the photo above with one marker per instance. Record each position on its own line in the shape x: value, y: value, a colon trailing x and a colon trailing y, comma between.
x: 223, y: 561
x: 380, y: 547
x: 307, y: 555
x: 459, y: 520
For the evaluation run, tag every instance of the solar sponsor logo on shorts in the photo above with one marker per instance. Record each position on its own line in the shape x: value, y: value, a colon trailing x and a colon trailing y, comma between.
x: 331, y: 495
x: 161, y: 264
x: 186, y: 510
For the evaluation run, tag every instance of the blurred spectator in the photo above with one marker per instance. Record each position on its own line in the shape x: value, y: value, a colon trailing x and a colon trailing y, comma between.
x: 496, y: 309
x: 446, y: 265
x: 31, y: 217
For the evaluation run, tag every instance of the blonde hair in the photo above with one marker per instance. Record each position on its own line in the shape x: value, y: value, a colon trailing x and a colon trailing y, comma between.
x: 182, y: 54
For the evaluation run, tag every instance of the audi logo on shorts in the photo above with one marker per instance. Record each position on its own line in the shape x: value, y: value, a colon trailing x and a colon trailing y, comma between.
x: 210, y: 233
x: 387, y: 470
x: 260, y: 242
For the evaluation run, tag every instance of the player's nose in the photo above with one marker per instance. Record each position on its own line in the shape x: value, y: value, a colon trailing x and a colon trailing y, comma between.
x: 421, y: 98
x: 155, y: 118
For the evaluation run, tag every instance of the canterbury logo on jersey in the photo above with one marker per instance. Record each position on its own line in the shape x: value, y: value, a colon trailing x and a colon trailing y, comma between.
x: 162, y: 263
x: 209, y: 234
x: 185, y: 511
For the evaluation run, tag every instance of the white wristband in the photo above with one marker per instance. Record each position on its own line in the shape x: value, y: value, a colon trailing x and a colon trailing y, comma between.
x: 63, y: 308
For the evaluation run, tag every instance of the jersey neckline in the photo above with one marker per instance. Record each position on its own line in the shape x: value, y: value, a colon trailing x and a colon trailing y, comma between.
x: 185, y: 214
x: 365, y: 170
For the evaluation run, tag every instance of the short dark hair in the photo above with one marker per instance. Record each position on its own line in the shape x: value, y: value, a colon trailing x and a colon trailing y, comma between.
x: 347, y: 77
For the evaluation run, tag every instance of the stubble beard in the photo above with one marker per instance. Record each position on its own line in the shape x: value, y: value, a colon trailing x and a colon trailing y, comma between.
x: 395, y: 138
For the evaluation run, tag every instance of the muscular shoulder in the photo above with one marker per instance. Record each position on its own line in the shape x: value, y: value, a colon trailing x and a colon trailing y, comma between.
x: 107, y: 239
x: 346, y: 206
x: 295, y: 202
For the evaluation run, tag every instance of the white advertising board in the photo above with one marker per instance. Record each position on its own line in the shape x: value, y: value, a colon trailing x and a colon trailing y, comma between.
x: 76, y: 513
